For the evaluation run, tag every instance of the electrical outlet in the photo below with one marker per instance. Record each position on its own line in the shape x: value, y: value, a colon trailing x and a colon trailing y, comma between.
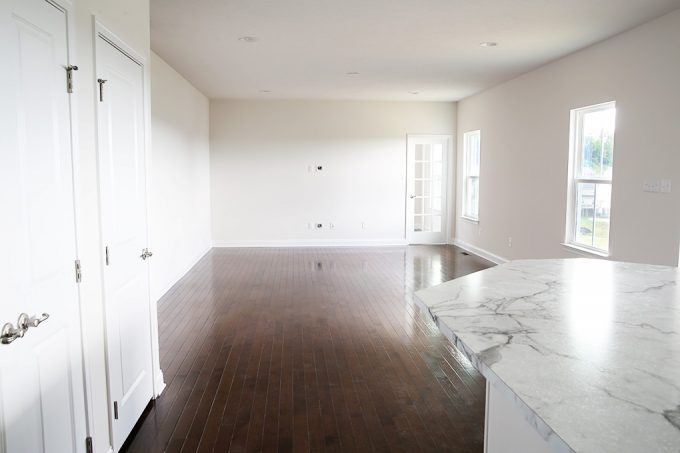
x: 509, y: 241
x: 331, y: 225
x: 363, y: 225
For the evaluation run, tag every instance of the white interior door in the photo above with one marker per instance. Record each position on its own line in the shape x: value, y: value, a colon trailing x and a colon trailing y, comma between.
x: 41, y: 376
x: 426, y: 188
x: 123, y: 199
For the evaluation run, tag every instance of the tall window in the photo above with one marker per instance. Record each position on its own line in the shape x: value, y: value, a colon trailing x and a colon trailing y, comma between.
x: 592, y: 157
x: 471, y: 159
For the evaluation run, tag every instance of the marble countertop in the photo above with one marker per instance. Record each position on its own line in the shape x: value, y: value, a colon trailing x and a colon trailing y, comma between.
x: 589, y: 350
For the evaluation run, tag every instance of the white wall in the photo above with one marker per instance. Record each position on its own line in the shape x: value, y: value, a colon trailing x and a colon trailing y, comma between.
x: 261, y: 153
x: 179, y: 198
x: 129, y: 20
x: 525, y: 148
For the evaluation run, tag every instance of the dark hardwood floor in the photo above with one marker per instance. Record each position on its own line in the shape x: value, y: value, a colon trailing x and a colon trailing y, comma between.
x: 312, y: 349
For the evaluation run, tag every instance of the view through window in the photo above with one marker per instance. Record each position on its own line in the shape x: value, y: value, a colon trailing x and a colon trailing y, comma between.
x: 591, y: 186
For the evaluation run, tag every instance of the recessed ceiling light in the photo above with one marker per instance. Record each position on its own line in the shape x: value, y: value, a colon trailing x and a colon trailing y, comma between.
x: 248, y: 39
x: 488, y: 44
x: 352, y: 73
x: 414, y: 92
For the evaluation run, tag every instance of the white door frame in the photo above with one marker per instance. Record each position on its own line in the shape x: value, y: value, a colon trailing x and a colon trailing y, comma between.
x: 449, y: 203
x: 101, y: 31
x: 69, y: 9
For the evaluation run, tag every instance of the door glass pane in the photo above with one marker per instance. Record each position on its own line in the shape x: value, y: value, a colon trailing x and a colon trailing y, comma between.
x: 419, y: 152
x: 418, y: 188
x: 426, y: 152
x: 418, y: 223
x: 428, y: 203
x: 427, y: 223
x: 437, y: 152
x: 419, y: 170
x: 418, y: 208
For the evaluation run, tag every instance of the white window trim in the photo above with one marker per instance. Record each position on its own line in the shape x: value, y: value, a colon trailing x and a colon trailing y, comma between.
x: 469, y: 219
x: 465, y: 215
x: 575, y: 123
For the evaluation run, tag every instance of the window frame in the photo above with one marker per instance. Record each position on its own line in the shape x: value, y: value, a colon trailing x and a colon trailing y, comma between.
x: 467, y: 136
x: 574, y: 179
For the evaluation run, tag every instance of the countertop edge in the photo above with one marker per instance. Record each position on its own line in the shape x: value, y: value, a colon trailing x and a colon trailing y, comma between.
x: 544, y: 430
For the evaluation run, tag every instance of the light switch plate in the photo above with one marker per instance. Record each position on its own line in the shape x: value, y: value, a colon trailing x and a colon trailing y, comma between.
x: 665, y: 186
x: 651, y: 186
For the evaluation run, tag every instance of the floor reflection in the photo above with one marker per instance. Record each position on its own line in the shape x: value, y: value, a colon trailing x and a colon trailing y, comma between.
x: 312, y: 349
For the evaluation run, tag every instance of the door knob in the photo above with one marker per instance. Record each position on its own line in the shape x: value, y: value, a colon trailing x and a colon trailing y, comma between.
x: 25, y: 322
x: 146, y: 254
x: 412, y: 196
x: 9, y: 333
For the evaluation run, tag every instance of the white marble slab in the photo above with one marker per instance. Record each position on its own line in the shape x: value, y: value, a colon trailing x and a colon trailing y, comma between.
x: 588, y: 349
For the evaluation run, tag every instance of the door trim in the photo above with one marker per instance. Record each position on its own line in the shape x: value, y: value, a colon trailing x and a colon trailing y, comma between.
x: 68, y: 8
x: 450, y: 184
x: 100, y: 30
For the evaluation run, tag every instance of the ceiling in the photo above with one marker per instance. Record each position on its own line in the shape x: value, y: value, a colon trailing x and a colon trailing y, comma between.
x: 305, y: 48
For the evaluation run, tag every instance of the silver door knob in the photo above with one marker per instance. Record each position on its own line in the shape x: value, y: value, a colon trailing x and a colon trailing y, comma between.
x: 25, y: 321
x: 412, y: 196
x: 9, y: 333
x: 146, y: 254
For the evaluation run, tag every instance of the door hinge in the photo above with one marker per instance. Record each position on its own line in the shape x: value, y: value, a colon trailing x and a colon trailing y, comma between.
x: 101, y: 83
x: 69, y: 77
x: 115, y: 410
x: 79, y: 272
x: 88, y: 445
x: 106, y: 254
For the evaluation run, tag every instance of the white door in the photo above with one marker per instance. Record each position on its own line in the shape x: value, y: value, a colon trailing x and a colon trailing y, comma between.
x: 120, y: 117
x: 41, y: 376
x: 426, y: 188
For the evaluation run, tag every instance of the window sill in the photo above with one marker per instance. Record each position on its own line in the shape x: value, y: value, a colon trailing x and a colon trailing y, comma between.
x: 585, y: 251
x: 469, y: 219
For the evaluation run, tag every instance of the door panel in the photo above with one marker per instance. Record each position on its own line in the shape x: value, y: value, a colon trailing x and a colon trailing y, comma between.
x: 41, y: 386
x: 426, y: 203
x: 122, y: 178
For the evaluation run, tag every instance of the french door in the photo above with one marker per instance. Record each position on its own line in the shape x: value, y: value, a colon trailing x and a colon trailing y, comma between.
x: 42, y: 407
x: 426, y: 188
x: 120, y: 118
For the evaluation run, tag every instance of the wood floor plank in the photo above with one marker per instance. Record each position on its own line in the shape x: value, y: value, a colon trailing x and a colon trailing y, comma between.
x: 310, y: 350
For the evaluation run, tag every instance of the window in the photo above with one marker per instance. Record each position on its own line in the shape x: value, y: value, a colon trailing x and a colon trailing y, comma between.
x: 471, y: 159
x: 591, y: 160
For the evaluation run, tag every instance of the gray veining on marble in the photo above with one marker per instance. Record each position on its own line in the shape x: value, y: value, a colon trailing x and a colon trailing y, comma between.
x: 588, y: 349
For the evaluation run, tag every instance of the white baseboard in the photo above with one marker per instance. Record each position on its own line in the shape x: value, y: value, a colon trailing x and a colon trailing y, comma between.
x: 181, y: 274
x: 159, y: 385
x: 314, y: 243
x: 480, y: 252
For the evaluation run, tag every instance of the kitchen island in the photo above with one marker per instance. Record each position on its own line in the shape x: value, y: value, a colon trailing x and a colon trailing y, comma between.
x: 579, y: 355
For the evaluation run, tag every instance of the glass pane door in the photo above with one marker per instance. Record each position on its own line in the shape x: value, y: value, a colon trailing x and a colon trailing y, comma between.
x: 427, y: 181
